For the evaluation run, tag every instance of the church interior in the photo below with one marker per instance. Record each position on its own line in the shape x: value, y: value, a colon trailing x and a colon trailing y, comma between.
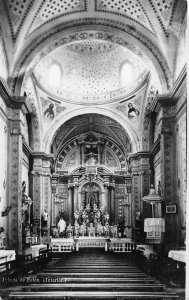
x: 93, y: 154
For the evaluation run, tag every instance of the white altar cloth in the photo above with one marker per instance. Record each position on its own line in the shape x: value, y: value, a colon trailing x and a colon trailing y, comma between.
x: 178, y: 255
x: 62, y: 244
x: 154, y: 224
x: 91, y: 242
x: 34, y: 250
x: 6, y: 256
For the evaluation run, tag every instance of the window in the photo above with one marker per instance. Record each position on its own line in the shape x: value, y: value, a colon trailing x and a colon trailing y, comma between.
x: 126, y: 74
x: 54, y: 74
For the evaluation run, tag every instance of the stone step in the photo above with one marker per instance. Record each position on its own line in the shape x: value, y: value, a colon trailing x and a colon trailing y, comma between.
x: 93, y: 286
x: 94, y: 279
x: 92, y: 295
x: 93, y: 274
x: 92, y: 267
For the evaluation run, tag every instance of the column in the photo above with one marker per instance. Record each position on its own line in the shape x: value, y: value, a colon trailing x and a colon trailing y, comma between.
x: 99, y: 152
x: 54, y: 182
x: 76, y: 198
x: 128, y: 187
x: 112, y: 205
x: 106, y: 208
x: 70, y: 205
x: 76, y: 185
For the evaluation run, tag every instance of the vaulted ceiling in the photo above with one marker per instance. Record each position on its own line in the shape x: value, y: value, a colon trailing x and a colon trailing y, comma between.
x: 30, y: 26
x: 104, y: 127
x: 90, y: 41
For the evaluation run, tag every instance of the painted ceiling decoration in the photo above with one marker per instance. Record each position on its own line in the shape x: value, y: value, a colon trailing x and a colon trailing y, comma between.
x: 98, y: 124
x: 90, y: 68
x: 98, y: 54
x: 50, y: 10
x: 131, y: 9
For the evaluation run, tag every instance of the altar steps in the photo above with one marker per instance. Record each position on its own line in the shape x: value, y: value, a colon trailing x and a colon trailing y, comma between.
x: 92, y: 286
x: 92, y: 275
x: 143, y: 281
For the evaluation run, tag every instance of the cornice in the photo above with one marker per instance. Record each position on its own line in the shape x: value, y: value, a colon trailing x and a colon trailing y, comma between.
x: 140, y: 154
x: 180, y: 84
x: 26, y: 148
x: 5, y: 92
x: 171, y: 99
x: 15, y: 102
x: 155, y: 147
x: 43, y: 156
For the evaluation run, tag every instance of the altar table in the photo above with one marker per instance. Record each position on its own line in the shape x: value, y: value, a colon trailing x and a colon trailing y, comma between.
x: 178, y: 255
x: 93, y: 242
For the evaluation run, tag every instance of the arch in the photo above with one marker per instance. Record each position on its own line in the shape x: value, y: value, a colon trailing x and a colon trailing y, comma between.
x: 115, y: 115
x: 115, y: 32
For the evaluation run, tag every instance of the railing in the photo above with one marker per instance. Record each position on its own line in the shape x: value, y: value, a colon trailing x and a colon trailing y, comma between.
x: 62, y: 245
x: 122, y: 245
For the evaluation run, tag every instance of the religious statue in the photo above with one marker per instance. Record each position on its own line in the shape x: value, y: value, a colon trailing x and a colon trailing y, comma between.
x: 91, y: 230
x: 83, y: 229
x: 99, y: 229
x: 69, y: 230
x: 44, y: 218
x: 61, y: 226
x: 121, y: 226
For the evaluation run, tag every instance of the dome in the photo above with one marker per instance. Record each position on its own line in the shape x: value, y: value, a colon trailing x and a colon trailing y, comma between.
x: 90, y: 70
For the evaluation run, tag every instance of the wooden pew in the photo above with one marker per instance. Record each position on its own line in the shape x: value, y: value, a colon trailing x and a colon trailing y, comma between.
x: 24, y: 265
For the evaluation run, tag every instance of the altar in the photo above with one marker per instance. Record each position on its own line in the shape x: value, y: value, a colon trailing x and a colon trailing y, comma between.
x: 91, y: 228
x: 92, y: 242
x: 108, y: 244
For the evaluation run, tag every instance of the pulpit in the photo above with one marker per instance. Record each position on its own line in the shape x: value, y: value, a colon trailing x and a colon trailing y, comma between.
x: 155, y: 225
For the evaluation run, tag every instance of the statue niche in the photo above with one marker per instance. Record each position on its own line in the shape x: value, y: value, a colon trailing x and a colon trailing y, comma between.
x: 91, y: 151
x: 91, y: 193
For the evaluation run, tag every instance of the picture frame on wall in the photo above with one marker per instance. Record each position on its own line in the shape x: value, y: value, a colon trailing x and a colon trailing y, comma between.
x: 171, y: 209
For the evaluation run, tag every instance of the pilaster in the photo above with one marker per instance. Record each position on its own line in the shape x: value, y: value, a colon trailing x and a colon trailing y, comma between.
x: 140, y: 178
x: 14, y: 202
x: 42, y: 193
x: 168, y: 167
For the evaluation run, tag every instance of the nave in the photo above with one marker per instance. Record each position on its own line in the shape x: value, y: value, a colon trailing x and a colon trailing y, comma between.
x: 91, y: 274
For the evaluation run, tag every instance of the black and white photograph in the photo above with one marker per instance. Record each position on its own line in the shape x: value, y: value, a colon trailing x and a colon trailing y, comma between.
x: 93, y: 150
